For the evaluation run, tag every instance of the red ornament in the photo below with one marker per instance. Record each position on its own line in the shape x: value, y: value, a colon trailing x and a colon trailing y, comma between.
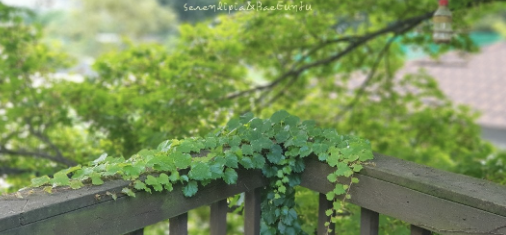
x: 443, y: 2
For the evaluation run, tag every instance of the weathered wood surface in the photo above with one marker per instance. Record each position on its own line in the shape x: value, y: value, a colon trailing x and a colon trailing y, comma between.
x: 218, y: 222
x: 79, y: 212
x: 387, y: 186
x: 369, y: 222
x: 252, y: 212
x: 415, y: 230
x: 435, y: 200
x: 136, y: 232
x: 323, y: 206
x: 179, y: 224
x: 463, y: 189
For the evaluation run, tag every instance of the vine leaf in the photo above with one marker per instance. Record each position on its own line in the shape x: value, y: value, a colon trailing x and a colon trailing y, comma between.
x: 139, y: 185
x: 182, y: 161
x: 292, y: 121
x: 190, y: 189
x: 245, y: 118
x: 151, y: 180
x: 279, y: 116
x: 257, y: 124
x: 357, y: 168
x: 339, y: 189
x: 162, y: 162
x: 247, y: 163
x: 174, y: 176
x: 100, y: 159
x: 164, y: 146
x: 39, y: 181
x: 343, y: 170
x: 235, y: 142
x: 113, y: 195
x: 354, y: 180
x: 276, y: 154
x: 330, y: 195
x: 73, y: 169
x: 329, y: 212
x: 304, y: 151
x: 163, y: 178
x: 132, y: 170
x: 112, y: 169
x: 230, y: 176
x: 282, y: 136
x: 332, y: 177
x: 60, y: 179
x: 258, y: 161
x: 247, y: 149
x: 200, y: 171
x: 233, y: 124
x: 186, y: 146
x: 128, y: 192
x: 96, y: 178
x: 75, y: 184
x: 320, y: 148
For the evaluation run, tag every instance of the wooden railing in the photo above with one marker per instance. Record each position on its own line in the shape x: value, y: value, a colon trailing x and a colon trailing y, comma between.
x: 429, y: 199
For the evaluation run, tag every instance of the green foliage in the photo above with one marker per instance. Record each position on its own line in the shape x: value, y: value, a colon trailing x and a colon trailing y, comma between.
x: 37, y: 132
x: 186, y: 15
x: 91, y: 27
x: 283, y: 171
x: 305, y: 62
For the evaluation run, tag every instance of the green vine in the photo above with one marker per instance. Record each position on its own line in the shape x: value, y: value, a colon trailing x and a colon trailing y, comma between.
x: 277, y: 146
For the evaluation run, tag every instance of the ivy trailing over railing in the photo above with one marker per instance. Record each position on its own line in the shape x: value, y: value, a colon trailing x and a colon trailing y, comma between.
x: 277, y: 146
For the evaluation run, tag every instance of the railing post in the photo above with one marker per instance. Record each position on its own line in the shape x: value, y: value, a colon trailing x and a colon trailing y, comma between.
x: 179, y: 224
x: 136, y: 232
x: 252, y: 212
x: 323, y: 205
x: 415, y: 230
x: 219, y: 217
x: 369, y: 222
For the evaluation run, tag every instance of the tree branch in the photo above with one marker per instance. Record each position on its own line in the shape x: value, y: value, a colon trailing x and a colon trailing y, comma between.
x: 397, y: 28
x: 12, y: 171
x: 59, y: 156
x: 371, y: 74
x: 281, y: 92
x: 326, y: 43
x: 27, y: 153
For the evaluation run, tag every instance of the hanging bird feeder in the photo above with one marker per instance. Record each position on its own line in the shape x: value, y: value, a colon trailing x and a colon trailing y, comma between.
x: 442, y: 23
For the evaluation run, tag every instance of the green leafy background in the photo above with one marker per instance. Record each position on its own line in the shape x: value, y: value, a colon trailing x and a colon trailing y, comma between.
x: 143, y: 92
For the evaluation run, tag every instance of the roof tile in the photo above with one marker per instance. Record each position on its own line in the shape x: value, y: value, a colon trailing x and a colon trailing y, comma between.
x: 478, y: 80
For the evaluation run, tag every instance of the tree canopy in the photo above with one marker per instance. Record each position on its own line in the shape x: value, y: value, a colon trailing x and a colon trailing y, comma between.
x: 92, y: 27
x: 335, y: 63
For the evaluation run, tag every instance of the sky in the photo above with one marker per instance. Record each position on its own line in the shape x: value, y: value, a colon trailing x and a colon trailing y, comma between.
x: 39, y: 4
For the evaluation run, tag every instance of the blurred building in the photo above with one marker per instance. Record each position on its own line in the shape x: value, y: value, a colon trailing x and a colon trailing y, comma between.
x: 478, y: 80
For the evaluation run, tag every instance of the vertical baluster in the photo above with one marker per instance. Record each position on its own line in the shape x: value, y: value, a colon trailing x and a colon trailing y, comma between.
x: 415, y: 230
x: 219, y: 217
x: 323, y: 205
x: 179, y: 225
x: 369, y: 222
x: 136, y: 232
x: 252, y: 212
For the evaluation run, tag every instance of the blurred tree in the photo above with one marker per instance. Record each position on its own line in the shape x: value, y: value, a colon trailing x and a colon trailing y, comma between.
x: 185, y: 15
x: 96, y: 26
x: 36, y: 129
x: 334, y: 62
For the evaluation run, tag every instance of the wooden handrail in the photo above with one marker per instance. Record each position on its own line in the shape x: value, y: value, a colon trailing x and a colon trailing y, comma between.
x: 425, y: 197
